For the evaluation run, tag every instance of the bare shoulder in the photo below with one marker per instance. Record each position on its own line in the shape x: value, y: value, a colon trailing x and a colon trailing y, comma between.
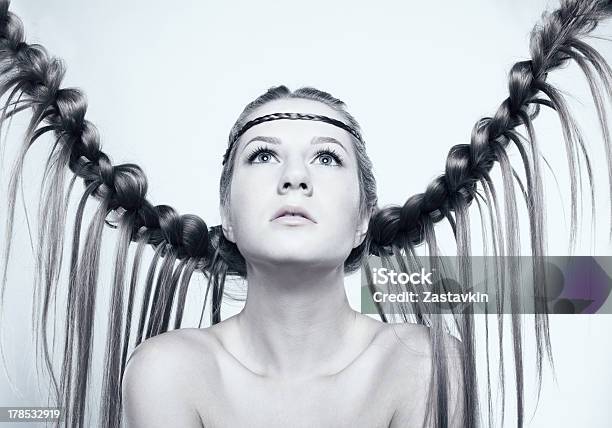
x: 174, y: 349
x: 160, y: 379
x: 414, y: 362
x: 416, y: 339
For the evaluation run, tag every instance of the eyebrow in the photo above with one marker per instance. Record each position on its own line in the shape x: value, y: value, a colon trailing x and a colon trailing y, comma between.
x: 315, y: 140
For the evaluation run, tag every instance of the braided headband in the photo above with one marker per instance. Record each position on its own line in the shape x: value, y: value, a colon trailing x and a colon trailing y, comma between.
x: 289, y: 116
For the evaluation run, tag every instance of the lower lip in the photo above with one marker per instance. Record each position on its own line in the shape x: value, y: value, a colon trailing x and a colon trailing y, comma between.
x: 292, y: 220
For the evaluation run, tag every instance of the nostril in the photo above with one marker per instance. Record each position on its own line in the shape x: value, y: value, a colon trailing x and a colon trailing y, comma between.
x: 302, y: 186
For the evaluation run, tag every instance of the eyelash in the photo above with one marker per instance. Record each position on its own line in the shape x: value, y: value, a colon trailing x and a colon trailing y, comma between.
x: 331, y: 153
x: 326, y: 151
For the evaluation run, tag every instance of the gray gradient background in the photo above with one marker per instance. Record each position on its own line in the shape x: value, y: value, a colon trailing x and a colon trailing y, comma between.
x: 165, y: 83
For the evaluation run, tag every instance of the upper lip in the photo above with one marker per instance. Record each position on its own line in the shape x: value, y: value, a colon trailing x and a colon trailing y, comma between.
x: 292, y: 210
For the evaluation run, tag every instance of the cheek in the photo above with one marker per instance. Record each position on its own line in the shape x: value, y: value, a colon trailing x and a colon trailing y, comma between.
x: 339, y: 199
x: 249, y: 195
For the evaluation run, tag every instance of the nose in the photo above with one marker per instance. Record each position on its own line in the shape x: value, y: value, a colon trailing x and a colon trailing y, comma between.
x: 295, y: 177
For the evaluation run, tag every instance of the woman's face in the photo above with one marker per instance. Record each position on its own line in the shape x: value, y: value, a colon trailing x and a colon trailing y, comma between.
x: 304, y: 169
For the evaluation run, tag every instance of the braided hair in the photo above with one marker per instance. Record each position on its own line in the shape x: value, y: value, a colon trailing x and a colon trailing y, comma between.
x: 554, y: 43
x: 30, y: 79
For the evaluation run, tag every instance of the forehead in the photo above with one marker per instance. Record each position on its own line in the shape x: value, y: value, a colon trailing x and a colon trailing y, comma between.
x: 296, y: 105
x: 284, y: 128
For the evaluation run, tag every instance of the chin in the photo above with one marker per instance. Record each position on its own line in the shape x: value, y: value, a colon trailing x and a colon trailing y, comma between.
x: 299, y: 248
x: 300, y: 258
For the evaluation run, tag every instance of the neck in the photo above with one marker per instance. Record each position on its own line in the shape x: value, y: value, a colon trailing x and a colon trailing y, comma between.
x: 294, y: 319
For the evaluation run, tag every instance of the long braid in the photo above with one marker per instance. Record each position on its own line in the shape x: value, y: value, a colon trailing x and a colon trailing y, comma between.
x: 553, y: 43
x: 32, y: 79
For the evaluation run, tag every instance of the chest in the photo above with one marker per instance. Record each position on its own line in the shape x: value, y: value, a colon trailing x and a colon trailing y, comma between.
x: 357, y: 397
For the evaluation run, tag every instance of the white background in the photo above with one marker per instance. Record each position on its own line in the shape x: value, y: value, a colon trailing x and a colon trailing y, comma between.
x: 165, y: 84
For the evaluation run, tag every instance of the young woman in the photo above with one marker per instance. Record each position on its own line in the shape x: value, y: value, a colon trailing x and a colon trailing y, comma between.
x: 296, y: 198
x: 299, y: 210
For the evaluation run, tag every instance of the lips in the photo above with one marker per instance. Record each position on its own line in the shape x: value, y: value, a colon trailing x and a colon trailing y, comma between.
x: 294, y: 212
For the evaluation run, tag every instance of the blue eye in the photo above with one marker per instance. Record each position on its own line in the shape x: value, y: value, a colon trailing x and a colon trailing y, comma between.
x: 328, y: 156
x: 261, y: 155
